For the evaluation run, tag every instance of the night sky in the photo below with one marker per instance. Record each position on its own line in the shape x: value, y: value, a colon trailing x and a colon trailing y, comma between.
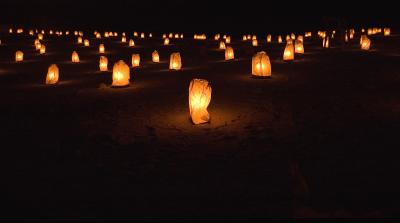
x: 197, y: 16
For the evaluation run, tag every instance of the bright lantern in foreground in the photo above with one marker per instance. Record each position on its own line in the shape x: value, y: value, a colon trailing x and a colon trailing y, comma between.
x: 75, y: 57
x: 155, y: 57
x: 135, y: 60
x: 288, y: 54
x: 229, y: 54
x: 199, y: 99
x: 260, y: 65
x: 175, y: 62
x: 19, y: 56
x: 103, y: 63
x: 52, y: 74
x: 121, y: 74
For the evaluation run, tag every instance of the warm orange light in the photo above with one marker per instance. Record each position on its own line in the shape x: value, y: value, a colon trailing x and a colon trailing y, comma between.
x: 229, y: 54
x: 166, y: 41
x: 269, y: 38
x: 175, y: 62
x: 222, y: 45
x: 386, y: 31
x: 135, y: 60
x: 288, y: 53
x: 199, y: 99
x: 261, y: 65
x: 52, y: 74
x: 121, y: 74
x: 103, y: 63
x: 75, y: 57
x: 299, y: 47
x: 365, y: 42
x: 80, y: 40
x: 42, y: 49
x: 131, y: 42
x: 279, y: 39
x: 254, y: 42
x: 86, y: 42
x: 19, y: 56
x: 102, y: 49
x: 155, y: 57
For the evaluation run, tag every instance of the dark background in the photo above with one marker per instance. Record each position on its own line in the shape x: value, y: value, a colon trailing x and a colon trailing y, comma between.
x: 198, y: 16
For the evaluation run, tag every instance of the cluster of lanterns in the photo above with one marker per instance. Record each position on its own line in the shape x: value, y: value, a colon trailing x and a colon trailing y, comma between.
x: 199, y: 89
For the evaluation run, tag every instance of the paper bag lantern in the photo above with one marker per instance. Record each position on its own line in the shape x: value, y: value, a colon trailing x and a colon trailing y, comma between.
x: 52, y: 74
x: 103, y: 63
x: 42, y: 49
x: 228, y: 39
x: 38, y: 46
x: 260, y: 65
x: 86, y: 42
x: 300, y: 38
x: 288, y: 54
x: 75, y: 57
x: 131, y: 42
x: 135, y: 34
x: 176, y: 36
x: 80, y: 40
x: 123, y: 39
x: 254, y: 42
x: 325, y: 42
x: 269, y: 38
x: 135, y: 60
x: 199, y: 99
x: 155, y: 57
x: 166, y: 41
x: 222, y: 45
x: 19, y: 56
x: 151, y: 35
x: 102, y: 49
x: 175, y: 62
x: 299, y: 47
x: 121, y: 74
x: 365, y: 43
x: 244, y: 38
x: 40, y: 36
x: 217, y: 37
x: 229, y: 54
x: 142, y: 35
x: 386, y: 31
x: 279, y: 39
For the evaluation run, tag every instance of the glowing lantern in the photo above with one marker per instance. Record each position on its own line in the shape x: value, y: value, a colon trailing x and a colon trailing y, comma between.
x: 386, y: 31
x: 260, y: 65
x: 102, y: 49
x: 123, y: 39
x: 346, y: 38
x: 288, y: 38
x: 135, y: 60
x: 288, y: 54
x: 249, y: 37
x: 293, y: 36
x: 31, y: 32
x: 38, y: 45
x: 164, y: 36
x: 244, y: 38
x: 176, y: 36
x: 121, y: 74
x: 123, y: 34
x: 175, y: 62
x: 42, y: 49
x: 19, y: 56
x: 40, y: 36
x: 106, y: 34
x: 217, y: 37
x: 279, y: 39
x: 103, y: 63
x: 151, y: 35
x: 365, y: 42
x: 325, y: 42
x: 52, y: 74
x: 10, y: 31
x: 181, y: 36
x: 155, y: 57
x: 199, y: 99
x: 142, y: 35
x: 86, y: 42
x: 75, y: 57
x: 166, y: 41
x: 228, y: 39
x: 298, y: 47
x: 254, y: 42
x: 254, y: 37
x: 135, y: 34
x: 115, y: 34
x: 131, y: 42
x: 351, y: 35
x: 222, y: 45
x: 98, y: 36
x: 80, y: 40
x: 229, y: 54
x: 269, y: 38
